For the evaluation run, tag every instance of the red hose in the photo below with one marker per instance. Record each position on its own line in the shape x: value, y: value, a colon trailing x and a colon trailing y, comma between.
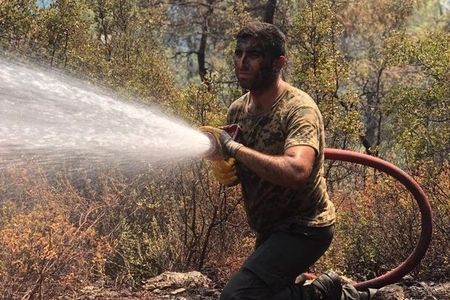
x: 424, y: 206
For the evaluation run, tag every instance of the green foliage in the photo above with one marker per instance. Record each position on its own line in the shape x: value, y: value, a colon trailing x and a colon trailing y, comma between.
x: 17, y: 19
x: 418, y: 106
x: 319, y: 67
x: 429, y: 14
x: 200, y: 105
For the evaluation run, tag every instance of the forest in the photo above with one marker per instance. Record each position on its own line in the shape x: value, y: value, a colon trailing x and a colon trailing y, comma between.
x: 378, y: 70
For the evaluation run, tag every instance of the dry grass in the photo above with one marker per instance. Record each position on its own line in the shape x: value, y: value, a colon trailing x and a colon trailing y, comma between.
x: 58, y: 234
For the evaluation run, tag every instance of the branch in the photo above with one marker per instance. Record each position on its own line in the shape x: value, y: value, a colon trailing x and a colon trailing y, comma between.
x: 184, y: 53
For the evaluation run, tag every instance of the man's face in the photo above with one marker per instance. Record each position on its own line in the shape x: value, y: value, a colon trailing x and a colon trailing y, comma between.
x: 253, y: 67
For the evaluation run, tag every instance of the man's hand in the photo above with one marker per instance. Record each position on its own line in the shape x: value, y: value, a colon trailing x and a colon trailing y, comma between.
x: 224, y: 171
x: 225, y: 146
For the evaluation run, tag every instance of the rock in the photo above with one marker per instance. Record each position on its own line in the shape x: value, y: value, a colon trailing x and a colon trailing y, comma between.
x: 210, y: 292
x: 181, y: 286
x: 408, y: 280
x: 390, y: 292
x: 177, y: 291
x: 419, y: 290
x: 441, y: 291
x: 176, y: 280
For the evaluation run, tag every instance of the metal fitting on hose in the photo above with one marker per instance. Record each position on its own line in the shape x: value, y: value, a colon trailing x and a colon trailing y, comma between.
x: 212, y: 145
x: 229, y: 146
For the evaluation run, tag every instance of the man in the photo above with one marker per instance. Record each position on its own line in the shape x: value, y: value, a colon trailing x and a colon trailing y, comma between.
x: 279, y: 156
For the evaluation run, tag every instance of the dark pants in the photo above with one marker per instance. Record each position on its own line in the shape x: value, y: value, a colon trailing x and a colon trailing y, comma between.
x: 280, y: 256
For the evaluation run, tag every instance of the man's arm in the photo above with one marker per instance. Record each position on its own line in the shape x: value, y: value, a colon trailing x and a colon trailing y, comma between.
x: 292, y: 169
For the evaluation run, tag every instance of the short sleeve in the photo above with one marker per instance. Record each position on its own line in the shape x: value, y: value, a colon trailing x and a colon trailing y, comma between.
x: 303, y: 128
x: 236, y: 109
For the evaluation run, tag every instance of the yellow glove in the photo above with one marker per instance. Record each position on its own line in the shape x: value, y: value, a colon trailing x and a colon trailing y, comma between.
x: 225, y: 146
x: 224, y: 171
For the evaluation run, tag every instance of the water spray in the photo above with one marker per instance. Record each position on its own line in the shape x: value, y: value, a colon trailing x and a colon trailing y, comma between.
x: 54, y: 119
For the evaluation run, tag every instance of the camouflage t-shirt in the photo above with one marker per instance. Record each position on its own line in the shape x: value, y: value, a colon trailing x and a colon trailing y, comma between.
x: 294, y: 120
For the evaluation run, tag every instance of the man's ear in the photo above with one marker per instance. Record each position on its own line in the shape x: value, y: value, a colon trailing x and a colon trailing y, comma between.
x: 278, y: 63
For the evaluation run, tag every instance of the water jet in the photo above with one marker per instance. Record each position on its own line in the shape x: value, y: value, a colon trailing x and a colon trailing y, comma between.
x: 52, y: 119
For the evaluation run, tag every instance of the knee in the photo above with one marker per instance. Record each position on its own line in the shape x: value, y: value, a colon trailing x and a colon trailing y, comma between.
x: 245, y: 285
x: 227, y: 293
x: 232, y: 292
x: 233, y: 289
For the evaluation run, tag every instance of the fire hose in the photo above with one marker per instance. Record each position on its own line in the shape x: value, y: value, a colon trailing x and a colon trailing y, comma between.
x: 413, y: 187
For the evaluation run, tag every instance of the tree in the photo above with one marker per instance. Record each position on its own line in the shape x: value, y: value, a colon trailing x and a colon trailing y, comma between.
x: 319, y: 67
x: 16, y: 21
x: 418, y: 106
x: 65, y: 29
x: 366, y: 26
x: 204, y: 30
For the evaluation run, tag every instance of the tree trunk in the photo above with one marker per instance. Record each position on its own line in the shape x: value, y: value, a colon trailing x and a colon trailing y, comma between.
x: 270, y: 11
x: 201, y: 53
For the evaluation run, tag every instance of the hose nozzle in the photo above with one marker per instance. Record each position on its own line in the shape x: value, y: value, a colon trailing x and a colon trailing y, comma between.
x: 233, y: 130
x: 212, y: 144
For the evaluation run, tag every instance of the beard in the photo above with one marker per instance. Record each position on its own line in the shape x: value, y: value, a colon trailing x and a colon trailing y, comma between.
x: 260, y: 81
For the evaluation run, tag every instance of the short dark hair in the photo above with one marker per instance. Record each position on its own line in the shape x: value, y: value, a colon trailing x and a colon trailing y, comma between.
x: 272, y: 39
